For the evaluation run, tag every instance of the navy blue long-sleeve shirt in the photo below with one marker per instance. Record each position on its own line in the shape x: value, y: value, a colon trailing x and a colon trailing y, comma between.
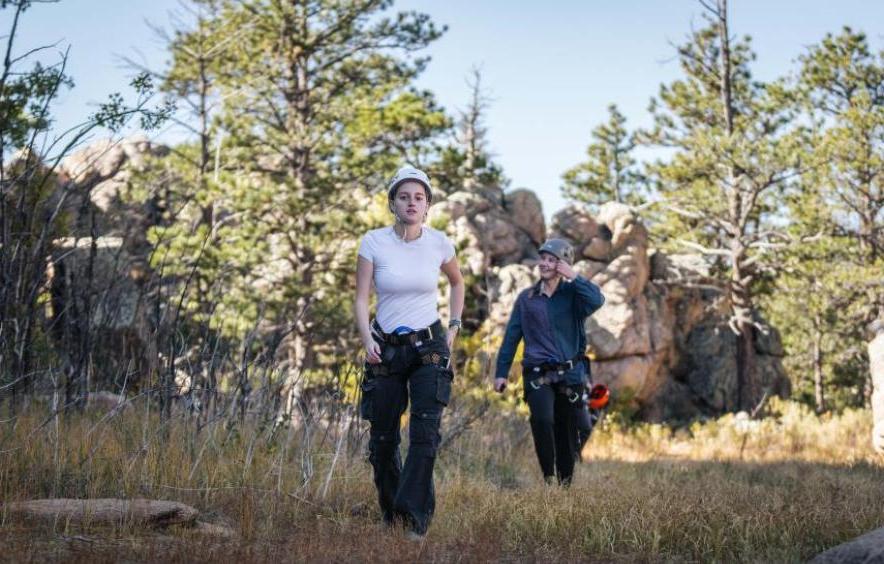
x: 552, y: 327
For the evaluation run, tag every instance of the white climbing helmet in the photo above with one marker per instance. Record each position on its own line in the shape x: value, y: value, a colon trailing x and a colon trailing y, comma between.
x: 409, y: 173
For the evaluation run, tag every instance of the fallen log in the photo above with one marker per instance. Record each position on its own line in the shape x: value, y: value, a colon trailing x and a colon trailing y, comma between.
x: 153, y: 513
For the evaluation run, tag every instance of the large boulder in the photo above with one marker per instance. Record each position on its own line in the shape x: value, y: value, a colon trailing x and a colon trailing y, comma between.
x: 99, y: 288
x: 526, y: 213
x: 637, y: 373
x: 491, y: 227
x: 573, y: 223
x: 865, y: 549
x: 471, y: 251
x: 94, y: 163
x: 99, y: 176
x: 621, y: 328
x: 99, y: 273
x: 625, y: 226
x: 709, y: 366
x: 82, y: 269
x: 499, y: 238
x: 626, y: 276
x: 679, y: 267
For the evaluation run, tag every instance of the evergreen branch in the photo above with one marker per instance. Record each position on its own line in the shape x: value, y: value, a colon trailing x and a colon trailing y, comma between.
x: 704, y: 250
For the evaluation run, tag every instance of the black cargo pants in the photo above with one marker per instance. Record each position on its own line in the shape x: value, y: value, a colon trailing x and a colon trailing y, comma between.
x: 419, y: 374
x: 585, y: 425
x: 559, y: 423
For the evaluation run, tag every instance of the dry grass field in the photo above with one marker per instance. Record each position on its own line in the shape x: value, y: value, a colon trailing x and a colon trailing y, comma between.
x: 780, y: 489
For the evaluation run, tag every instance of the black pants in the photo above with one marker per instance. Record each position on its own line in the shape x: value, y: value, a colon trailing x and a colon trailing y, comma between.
x: 558, y: 426
x: 585, y: 424
x: 406, y: 493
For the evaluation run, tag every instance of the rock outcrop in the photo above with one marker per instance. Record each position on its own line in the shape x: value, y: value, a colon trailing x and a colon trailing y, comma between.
x: 492, y: 228
x: 98, y: 272
x: 98, y: 176
x: 660, y: 335
x: 664, y: 341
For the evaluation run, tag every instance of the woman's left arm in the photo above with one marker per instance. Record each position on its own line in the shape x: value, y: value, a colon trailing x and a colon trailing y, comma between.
x: 455, y: 295
x: 588, y: 297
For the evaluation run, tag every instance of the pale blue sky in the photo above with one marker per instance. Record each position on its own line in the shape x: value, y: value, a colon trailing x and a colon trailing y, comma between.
x: 551, y: 67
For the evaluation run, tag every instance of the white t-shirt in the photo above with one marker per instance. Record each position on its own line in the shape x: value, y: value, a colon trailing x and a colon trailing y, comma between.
x: 406, y: 275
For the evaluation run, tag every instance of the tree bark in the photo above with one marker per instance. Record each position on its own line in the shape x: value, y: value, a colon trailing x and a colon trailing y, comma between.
x: 749, y: 391
x: 818, y: 377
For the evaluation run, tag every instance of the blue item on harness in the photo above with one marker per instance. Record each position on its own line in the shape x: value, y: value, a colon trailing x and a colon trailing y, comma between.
x: 402, y: 330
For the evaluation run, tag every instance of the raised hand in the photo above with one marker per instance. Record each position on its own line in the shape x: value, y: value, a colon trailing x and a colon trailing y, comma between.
x: 565, y: 270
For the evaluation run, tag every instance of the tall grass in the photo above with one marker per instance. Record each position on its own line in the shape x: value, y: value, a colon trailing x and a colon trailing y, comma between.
x: 779, y: 489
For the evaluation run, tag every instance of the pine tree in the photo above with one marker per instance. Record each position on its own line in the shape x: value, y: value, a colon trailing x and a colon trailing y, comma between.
x: 831, y: 289
x: 610, y: 172
x: 733, y: 149
x: 843, y: 86
x: 316, y: 109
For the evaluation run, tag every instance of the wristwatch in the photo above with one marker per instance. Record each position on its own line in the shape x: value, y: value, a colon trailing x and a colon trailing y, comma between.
x: 454, y: 323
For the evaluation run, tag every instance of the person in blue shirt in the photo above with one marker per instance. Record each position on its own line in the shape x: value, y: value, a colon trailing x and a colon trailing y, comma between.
x: 550, y: 317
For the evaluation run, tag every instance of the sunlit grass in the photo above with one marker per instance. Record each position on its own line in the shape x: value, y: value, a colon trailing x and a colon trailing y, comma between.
x: 780, y: 489
x: 790, y: 432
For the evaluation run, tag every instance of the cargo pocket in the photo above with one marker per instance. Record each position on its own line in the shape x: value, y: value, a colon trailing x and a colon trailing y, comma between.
x: 444, y: 377
x: 367, y: 390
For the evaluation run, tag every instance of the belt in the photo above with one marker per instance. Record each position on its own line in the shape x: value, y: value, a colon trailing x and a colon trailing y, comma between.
x: 573, y: 394
x: 542, y: 378
x: 434, y: 358
x: 415, y: 338
x: 559, y: 367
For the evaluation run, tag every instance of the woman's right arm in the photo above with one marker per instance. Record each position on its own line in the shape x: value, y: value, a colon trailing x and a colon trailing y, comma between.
x: 364, y: 274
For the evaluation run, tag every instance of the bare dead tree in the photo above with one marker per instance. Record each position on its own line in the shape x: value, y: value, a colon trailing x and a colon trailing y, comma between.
x: 34, y: 201
x: 473, y: 132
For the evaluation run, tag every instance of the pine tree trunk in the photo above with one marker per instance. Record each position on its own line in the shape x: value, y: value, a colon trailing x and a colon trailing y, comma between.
x: 818, y: 390
x: 470, y: 181
x: 749, y: 394
x: 749, y: 391
x: 748, y: 388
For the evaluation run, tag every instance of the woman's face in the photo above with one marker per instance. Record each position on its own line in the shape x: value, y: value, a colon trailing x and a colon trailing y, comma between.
x: 410, y: 204
x: 547, y: 266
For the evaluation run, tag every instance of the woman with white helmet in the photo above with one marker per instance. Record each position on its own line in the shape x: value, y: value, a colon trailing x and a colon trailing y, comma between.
x: 406, y: 347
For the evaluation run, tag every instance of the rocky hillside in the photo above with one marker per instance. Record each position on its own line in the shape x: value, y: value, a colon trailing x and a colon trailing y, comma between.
x: 659, y: 340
